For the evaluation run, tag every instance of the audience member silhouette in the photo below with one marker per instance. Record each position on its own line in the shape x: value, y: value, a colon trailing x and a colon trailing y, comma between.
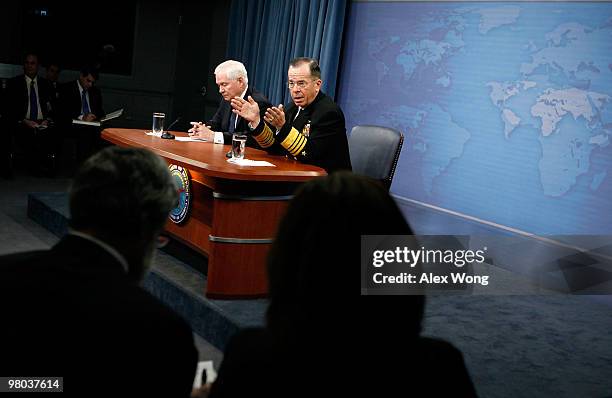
x: 77, y: 310
x: 321, y: 338
x: 29, y: 111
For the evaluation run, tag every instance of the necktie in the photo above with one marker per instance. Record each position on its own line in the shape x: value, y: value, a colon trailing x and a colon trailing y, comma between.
x: 232, y: 123
x: 85, y: 104
x: 33, y: 102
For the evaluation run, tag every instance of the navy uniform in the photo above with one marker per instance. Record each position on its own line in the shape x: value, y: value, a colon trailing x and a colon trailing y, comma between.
x: 315, y: 135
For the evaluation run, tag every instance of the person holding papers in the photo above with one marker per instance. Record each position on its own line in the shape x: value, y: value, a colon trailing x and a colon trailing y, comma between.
x: 233, y: 81
x: 81, y: 100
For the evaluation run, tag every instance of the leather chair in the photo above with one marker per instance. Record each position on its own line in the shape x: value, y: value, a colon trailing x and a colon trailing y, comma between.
x: 375, y: 151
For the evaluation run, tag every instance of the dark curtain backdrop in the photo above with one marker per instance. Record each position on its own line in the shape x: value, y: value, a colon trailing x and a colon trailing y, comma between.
x: 266, y: 34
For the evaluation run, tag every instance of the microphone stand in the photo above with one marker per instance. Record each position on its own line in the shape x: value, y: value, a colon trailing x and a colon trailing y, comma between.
x: 166, y: 135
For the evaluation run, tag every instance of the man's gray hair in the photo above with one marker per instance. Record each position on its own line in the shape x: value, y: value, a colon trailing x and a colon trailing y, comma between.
x: 233, y: 70
x: 124, y: 192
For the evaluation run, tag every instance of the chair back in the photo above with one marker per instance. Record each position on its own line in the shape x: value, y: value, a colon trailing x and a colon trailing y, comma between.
x: 375, y: 151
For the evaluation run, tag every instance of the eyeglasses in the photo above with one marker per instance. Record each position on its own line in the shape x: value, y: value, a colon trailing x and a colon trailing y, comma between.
x: 161, y: 241
x: 301, y: 84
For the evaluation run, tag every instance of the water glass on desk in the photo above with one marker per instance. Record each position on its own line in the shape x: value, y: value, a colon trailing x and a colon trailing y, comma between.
x: 238, y: 146
x: 158, y: 123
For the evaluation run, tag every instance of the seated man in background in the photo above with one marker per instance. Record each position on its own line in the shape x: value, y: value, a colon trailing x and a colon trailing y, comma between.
x: 231, y: 77
x: 52, y: 75
x: 77, y: 310
x: 311, y: 129
x: 80, y: 99
x: 29, y: 105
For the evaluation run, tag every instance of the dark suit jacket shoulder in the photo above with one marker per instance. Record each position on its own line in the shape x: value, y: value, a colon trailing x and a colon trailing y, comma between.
x: 75, y: 313
x: 255, y: 366
x: 248, y: 367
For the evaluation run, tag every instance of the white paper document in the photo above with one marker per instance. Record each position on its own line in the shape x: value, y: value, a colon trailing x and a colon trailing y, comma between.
x: 211, y: 374
x: 190, y: 139
x: 77, y: 121
x: 177, y: 138
x: 110, y: 116
x: 249, y: 162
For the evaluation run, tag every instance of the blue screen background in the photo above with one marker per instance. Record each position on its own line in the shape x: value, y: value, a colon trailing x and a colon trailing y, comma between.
x: 506, y: 107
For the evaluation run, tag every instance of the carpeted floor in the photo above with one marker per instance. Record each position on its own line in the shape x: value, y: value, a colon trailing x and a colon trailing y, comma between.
x: 529, y: 346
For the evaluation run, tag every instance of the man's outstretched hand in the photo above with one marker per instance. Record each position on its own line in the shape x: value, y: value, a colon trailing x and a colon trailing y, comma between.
x: 275, y: 116
x: 248, y: 110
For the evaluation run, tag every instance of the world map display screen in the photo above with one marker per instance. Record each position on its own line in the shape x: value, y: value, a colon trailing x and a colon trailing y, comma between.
x: 506, y: 108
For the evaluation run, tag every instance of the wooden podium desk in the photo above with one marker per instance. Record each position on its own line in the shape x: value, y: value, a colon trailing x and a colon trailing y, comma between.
x: 234, y: 210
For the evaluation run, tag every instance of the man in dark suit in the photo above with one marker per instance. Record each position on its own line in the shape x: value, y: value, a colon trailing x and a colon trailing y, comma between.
x: 52, y: 75
x: 311, y: 129
x: 81, y: 100
x: 76, y: 310
x: 233, y: 81
x: 29, y: 109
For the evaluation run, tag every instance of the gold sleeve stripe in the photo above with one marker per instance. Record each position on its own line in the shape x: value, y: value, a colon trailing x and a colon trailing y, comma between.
x: 302, y: 145
x: 294, y: 143
x: 266, y: 138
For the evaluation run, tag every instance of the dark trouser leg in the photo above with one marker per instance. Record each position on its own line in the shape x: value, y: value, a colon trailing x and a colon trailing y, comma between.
x: 25, y: 148
x: 87, y: 141
x: 6, y: 143
x: 46, y: 149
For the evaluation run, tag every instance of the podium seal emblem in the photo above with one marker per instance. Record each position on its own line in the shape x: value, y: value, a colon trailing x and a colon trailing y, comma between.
x: 181, y: 179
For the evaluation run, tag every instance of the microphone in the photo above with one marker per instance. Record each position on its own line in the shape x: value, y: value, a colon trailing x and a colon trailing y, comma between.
x: 166, y: 135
